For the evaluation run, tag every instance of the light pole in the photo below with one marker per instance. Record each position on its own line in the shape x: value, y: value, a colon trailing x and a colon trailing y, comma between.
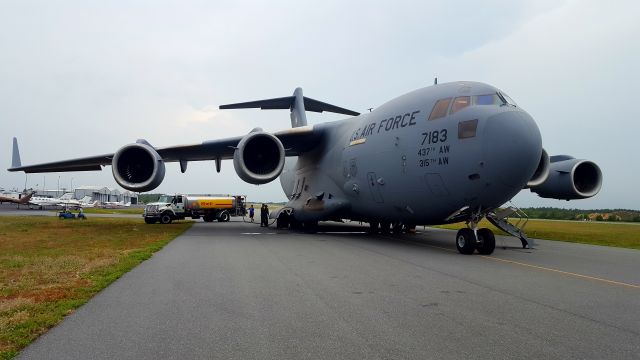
x: 73, y: 191
x: 58, y: 191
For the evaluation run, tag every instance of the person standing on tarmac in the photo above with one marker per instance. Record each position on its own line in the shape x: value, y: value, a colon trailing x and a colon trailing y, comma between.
x: 264, y: 215
x: 251, y: 213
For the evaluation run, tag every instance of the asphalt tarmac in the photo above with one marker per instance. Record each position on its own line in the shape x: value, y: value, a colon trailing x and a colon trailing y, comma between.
x: 239, y: 291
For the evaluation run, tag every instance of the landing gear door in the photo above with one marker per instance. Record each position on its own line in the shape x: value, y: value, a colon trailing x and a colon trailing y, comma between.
x: 374, y: 186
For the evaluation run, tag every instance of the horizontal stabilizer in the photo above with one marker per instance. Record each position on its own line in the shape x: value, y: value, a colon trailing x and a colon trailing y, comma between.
x: 288, y: 102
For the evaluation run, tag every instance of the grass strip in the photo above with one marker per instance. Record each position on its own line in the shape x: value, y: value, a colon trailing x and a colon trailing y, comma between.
x: 49, y: 267
x: 132, y: 210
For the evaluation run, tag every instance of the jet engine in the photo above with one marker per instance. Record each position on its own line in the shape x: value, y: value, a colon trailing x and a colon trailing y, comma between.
x: 570, y: 179
x: 138, y: 167
x: 542, y: 171
x: 259, y: 158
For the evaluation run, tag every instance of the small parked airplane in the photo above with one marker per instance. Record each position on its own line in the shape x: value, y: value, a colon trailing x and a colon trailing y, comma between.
x: 16, y: 198
x: 115, y: 204
x: 66, y: 200
x: 88, y: 202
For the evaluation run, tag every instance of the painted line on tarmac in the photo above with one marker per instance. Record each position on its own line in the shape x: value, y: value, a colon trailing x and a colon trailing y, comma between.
x: 612, y: 282
x: 562, y: 272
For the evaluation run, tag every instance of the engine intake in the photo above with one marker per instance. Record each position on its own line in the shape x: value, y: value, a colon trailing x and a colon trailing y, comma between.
x: 259, y: 158
x: 542, y: 171
x: 570, y: 179
x: 138, y: 167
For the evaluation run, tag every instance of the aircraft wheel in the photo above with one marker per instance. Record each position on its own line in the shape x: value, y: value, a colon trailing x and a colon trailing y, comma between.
x: 283, y: 221
x: 294, y: 224
x: 165, y: 218
x: 466, y: 241
x: 224, y: 217
x: 486, y: 242
x: 373, y: 227
x: 385, y: 227
x: 397, y: 228
x: 310, y: 227
x: 410, y: 228
x: 150, y: 220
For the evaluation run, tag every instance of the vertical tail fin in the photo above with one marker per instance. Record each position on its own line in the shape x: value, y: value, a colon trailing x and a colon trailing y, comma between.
x: 15, y: 156
x: 298, y: 115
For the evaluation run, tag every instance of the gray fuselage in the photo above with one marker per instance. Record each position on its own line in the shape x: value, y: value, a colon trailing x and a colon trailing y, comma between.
x: 396, y: 164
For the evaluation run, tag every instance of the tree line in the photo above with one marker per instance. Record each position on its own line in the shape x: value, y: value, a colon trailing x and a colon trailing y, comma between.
x: 581, y: 214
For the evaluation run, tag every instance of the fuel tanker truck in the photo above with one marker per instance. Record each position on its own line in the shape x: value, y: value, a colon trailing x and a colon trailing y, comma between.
x: 207, y: 207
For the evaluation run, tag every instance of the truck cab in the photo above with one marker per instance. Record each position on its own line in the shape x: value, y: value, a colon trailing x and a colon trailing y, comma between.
x: 165, y: 210
x: 207, y: 207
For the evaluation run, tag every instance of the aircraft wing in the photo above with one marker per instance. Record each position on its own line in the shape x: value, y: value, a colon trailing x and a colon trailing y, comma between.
x: 295, y: 141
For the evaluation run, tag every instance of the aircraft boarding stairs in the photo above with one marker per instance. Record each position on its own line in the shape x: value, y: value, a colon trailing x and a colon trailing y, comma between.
x: 500, y: 219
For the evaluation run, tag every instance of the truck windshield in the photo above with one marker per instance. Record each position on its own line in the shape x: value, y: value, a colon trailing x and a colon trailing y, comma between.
x: 165, y: 199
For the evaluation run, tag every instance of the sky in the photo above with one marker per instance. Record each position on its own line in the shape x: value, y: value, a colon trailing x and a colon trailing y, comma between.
x: 81, y: 78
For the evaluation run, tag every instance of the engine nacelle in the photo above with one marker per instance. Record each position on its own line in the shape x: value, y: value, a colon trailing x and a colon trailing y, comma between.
x: 542, y: 171
x: 259, y: 158
x: 570, y: 179
x: 138, y: 167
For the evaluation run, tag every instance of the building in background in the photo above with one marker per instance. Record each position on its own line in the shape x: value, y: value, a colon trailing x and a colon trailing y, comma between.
x: 102, y: 194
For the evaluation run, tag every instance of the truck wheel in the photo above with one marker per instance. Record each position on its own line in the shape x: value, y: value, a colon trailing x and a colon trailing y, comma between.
x: 165, y: 218
x: 150, y: 220
x: 224, y: 217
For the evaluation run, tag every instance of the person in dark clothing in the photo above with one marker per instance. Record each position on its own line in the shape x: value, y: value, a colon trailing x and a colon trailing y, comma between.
x: 264, y: 215
x: 251, y: 210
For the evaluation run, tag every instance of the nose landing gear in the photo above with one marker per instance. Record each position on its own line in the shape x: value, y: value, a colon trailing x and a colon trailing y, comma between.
x: 471, y: 238
x: 466, y: 241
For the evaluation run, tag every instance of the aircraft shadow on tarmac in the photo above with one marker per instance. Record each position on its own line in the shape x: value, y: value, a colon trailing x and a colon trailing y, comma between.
x: 429, y: 238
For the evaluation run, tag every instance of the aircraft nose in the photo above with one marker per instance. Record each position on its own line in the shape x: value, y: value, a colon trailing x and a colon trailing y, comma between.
x: 512, y: 148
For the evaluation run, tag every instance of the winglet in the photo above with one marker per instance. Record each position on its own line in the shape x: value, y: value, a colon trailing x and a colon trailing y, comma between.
x: 15, y: 156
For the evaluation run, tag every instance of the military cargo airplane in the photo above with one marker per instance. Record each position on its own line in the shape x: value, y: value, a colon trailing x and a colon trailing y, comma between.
x: 441, y: 154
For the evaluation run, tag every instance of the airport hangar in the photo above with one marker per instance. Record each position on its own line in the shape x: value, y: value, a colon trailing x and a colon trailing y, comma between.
x: 97, y: 193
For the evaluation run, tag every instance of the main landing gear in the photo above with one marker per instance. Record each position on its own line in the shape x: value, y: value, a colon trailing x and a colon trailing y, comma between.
x: 386, y: 227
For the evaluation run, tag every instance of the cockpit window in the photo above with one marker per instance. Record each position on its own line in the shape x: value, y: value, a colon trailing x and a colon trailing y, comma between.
x: 460, y: 103
x: 509, y: 100
x: 489, y: 99
x: 440, y: 109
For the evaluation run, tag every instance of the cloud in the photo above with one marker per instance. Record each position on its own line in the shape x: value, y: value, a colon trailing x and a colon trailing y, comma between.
x: 572, y: 69
x: 81, y: 78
